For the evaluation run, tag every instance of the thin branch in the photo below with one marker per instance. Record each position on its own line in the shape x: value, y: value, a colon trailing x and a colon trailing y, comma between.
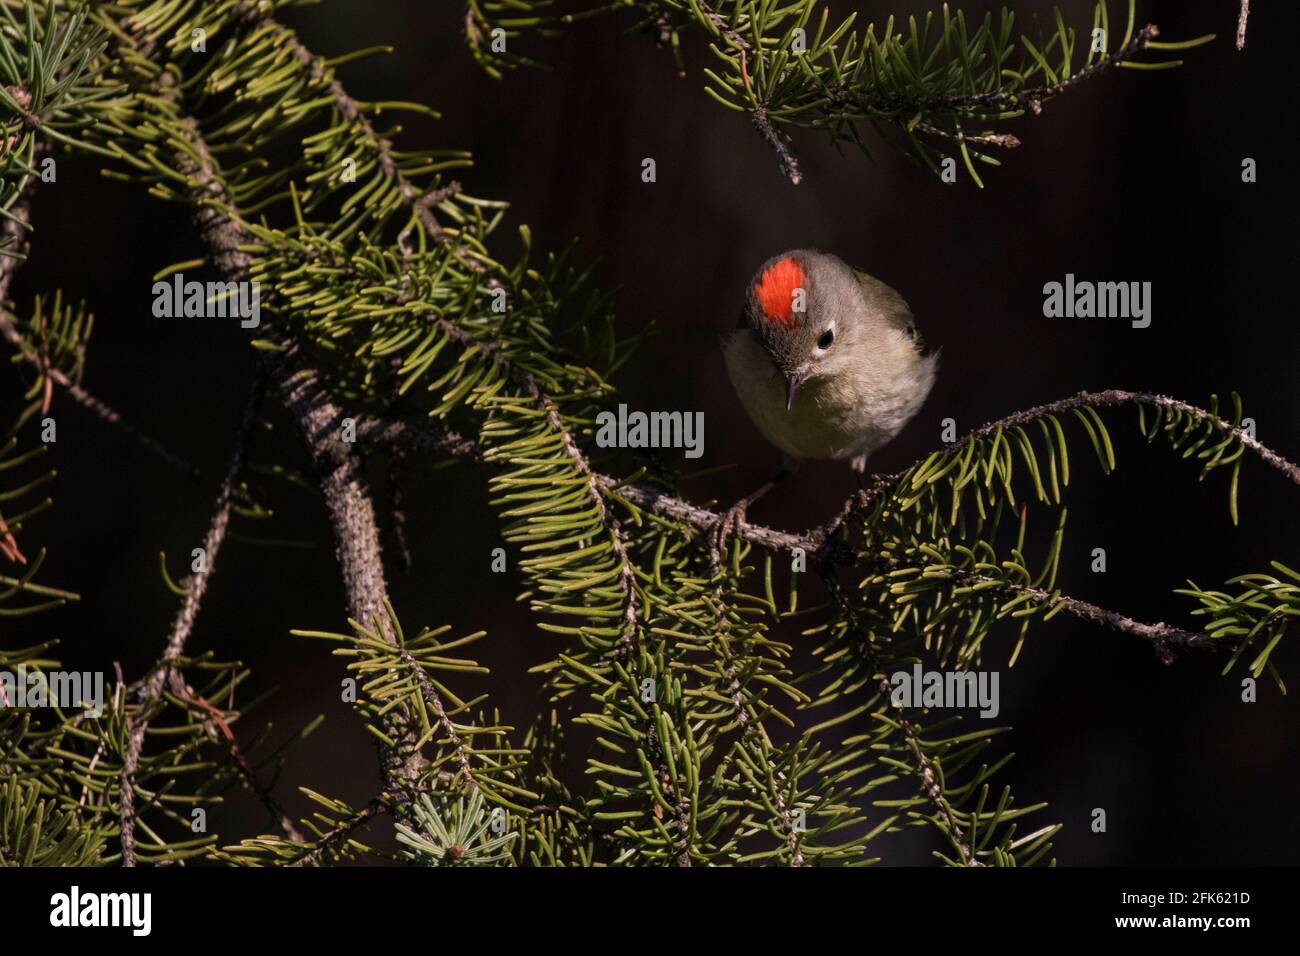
x: 108, y: 415
x: 401, y: 435
x: 1113, y: 397
x: 1242, y: 17
x: 722, y: 26
x: 618, y: 544
x: 13, y: 229
x: 929, y: 783
x: 1033, y: 97
x: 894, y: 103
x: 182, y: 625
x: 789, y: 162
x: 528, y: 382
x: 421, y: 204
x: 218, y: 729
x: 342, y: 481
x: 342, y: 832
x: 1003, y: 140
x: 434, y: 700
x: 1164, y: 638
x: 339, y: 470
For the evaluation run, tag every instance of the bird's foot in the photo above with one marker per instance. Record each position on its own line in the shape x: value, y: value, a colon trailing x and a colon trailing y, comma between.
x: 731, y: 520
x: 728, y: 523
x: 870, y: 489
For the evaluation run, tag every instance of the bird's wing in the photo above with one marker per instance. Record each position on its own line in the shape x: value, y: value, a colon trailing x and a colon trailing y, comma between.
x: 892, y: 307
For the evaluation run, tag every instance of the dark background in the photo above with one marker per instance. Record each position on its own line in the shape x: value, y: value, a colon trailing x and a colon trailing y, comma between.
x: 1135, y: 176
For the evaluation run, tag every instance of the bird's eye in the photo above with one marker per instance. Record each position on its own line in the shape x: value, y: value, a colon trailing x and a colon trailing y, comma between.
x: 827, y: 338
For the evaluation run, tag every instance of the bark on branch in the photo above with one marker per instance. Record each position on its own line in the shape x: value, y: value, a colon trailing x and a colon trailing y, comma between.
x: 1165, y: 639
x: 196, y: 587
x: 13, y: 230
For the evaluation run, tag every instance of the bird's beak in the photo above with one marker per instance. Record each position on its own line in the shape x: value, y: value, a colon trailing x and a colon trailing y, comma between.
x: 792, y: 382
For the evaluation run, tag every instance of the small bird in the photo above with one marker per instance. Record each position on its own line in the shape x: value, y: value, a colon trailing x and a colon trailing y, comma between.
x: 827, y: 361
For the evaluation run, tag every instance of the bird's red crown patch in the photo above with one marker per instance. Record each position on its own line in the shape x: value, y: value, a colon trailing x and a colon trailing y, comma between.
x: 775, y: 291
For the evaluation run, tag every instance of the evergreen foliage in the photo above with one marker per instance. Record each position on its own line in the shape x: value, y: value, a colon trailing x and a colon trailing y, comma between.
x: 384, y: 303
x: 932, y: 86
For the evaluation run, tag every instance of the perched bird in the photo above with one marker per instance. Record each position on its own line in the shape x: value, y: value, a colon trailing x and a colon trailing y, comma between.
x: 826, y: 360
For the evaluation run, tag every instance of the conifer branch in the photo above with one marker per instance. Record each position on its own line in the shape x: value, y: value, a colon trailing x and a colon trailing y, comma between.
x: 627, y: 645
x: 351, y: 111
x: 789, y: 162
x: 677, y: 670
x: 1113, y: 397
x: 532, y: 388
x: 927, y: 780
x: 330, y: 840
x: 420, y: 203
x: 399, y: 434
x: 12, y: 229
x: 1034, y: 97
x: 339, y: 472
x: 356, y: 533
x: 890, y: 105
x: 338, y: 469
x: 1003, y: 140
x: 1164, y: 639
x: 791, y: 65
x: 343, y: 485
x: 921, y: 766
x: 435, y: 702
x: 218, y: 729
x: 196, y: 587
x: 453, y: 444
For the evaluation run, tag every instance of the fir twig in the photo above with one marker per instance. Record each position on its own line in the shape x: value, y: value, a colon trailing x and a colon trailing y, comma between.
x: 13, y: 230
x: 330, y: 841
x: 182, y: 626
x: 1113, y: 397
x: 1164, y: 638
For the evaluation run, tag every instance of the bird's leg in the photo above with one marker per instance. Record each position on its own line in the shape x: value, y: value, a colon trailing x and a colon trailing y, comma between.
x: 734, y: 516
x: 865, y: 490
x: 869, y: 489
x: 859, y: 466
